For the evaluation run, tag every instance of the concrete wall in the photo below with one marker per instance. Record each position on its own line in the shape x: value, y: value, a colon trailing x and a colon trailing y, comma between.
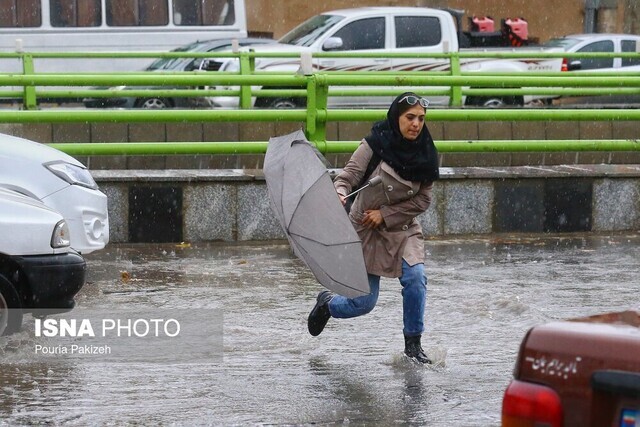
x: 232, y: 205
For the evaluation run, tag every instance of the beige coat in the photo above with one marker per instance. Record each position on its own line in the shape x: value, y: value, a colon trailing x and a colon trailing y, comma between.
x: 400, y: 201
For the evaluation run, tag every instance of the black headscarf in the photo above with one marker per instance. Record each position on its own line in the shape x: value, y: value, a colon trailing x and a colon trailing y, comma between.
x: 413, y: 160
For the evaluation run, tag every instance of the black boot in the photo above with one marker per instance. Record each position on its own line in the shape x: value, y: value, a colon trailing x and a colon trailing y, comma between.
x: 413, y: 349
x: 320, y: 315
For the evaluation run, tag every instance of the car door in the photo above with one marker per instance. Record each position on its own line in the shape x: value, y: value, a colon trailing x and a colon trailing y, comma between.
x: 630, y: 46
x: 364, y: 35
x: 594, y: 64
x: 630, y: 65
x: 419, y: 34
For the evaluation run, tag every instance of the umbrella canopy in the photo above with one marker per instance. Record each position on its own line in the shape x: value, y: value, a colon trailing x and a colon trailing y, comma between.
x: 308, y: 208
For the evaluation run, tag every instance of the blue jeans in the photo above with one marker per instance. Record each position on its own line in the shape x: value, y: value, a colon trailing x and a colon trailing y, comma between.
x: 414, y: 295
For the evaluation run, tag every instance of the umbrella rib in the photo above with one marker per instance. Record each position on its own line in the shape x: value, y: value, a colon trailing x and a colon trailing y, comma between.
x: 305, y: 193
x: 300, y: 248
x: 325, y: 244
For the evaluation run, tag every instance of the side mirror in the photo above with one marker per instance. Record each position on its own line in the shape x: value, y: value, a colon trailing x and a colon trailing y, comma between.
x: 332, y: 43
x: 574, y: 65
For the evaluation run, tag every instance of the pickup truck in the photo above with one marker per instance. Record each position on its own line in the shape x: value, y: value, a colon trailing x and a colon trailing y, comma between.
x: 379, y: 30
x: 38, y: 269
x: 577, y: 372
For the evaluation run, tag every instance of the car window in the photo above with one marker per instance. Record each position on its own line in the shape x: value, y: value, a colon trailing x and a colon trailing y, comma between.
x: 309, y: 31
x: 416, y: 31
x: 167, y: 63
x: 629, y: 46
x: 564, y: 42
x: 363, y: 34
x: 595, y: 63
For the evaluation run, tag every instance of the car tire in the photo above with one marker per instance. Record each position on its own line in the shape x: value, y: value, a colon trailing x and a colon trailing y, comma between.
x: 10, y: 308
x: 494, y: 101
x: 153, y: 103
x: 281, y: 103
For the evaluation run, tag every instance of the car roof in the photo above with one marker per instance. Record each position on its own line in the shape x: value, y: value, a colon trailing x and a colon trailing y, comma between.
x: 592, y: 36
x: 363, y: 11
x: 573, y: 42
x: 202, y: 46
x: 209, y: 44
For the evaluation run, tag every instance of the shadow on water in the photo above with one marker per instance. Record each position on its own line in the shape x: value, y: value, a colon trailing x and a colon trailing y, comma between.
x: 483, y: 295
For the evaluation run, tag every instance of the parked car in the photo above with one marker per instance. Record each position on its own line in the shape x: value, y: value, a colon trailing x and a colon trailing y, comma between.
x: 172, y: 65
x: 60, y: 182
x: 588, y: 43
x: 38, y: 269
x: 578, y: 372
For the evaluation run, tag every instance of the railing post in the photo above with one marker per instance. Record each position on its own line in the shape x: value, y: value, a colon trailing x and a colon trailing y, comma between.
x: 247, y: 66
x: 456, y: 91
x: 317, y: 96
x: 29, y: 101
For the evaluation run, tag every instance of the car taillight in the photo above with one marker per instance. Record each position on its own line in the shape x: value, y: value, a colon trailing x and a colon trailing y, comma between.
x: 530, y: 405
x: 565, y: 65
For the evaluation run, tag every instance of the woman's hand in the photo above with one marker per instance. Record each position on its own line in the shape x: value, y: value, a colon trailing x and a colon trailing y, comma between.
x: 343, y: 199
x: 372, y: 218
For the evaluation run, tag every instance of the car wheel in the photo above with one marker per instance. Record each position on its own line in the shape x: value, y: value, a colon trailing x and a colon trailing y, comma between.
x: 494, y: 101
x: 280, y: 103
x: 153, y: 103
x: 10, y: 308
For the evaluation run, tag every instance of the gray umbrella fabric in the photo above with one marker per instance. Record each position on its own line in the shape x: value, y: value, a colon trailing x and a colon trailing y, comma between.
x: 307, y: 206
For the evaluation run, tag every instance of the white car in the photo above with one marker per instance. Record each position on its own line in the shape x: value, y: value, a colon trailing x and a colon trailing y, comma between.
x: 600, y: 43
x: 60, y: 182
x: 38, y: 270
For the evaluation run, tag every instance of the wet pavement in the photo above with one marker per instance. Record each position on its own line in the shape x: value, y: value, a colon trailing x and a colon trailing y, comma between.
x: 483, y: 295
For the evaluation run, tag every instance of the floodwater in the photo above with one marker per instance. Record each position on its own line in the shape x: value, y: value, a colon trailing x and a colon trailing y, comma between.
x: 483, y: 295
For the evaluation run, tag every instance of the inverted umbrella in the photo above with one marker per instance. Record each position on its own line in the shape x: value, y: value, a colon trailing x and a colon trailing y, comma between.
x: 308, y: 208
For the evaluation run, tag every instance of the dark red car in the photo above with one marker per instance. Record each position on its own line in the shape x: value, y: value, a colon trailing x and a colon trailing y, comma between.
x: 577, y: 372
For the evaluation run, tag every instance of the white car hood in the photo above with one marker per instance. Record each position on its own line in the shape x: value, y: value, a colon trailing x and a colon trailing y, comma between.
x: 20, y: 148
x: 13, y: 197
x: 22, y: 167
x: 26, y: 225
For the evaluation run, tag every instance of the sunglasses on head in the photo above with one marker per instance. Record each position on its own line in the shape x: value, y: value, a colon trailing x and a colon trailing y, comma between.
x: 413, y: 100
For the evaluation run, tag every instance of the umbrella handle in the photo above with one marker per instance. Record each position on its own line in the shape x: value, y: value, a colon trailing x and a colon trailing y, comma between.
x: 371, y: 183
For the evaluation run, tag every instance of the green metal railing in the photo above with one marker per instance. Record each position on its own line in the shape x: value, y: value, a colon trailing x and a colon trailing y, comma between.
x: 317, y: 88
x: 454, y: 61
x: 199, y: 148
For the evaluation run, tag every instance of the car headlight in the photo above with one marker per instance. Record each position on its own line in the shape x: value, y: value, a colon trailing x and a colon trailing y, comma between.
x: 60, y: 237
x: 72, y: 174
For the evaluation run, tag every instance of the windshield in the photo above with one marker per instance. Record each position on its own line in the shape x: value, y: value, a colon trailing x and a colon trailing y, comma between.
x: 170, y: 63
x: 564, y: 42
x: 309, y: 31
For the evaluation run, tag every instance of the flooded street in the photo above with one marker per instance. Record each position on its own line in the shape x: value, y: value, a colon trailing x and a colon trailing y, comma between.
x: 483, y: 295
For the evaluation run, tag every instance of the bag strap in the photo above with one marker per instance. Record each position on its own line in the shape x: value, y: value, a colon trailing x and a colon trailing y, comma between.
x: 371, y: 166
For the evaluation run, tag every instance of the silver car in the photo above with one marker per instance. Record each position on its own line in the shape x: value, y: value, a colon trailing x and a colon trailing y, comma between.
x: 172, y: 65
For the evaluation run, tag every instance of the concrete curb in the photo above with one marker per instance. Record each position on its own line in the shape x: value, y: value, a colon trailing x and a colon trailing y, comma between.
x: 232, y: 204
